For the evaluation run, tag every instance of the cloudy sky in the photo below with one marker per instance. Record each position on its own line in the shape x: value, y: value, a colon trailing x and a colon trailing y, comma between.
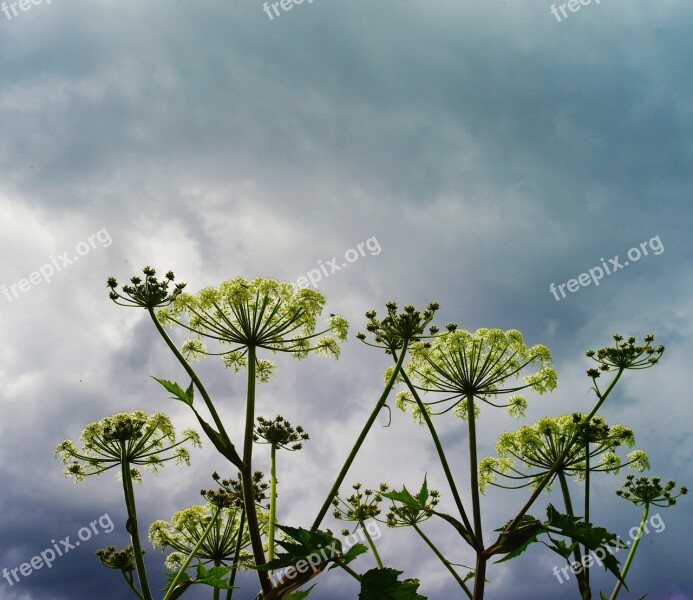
x: 478, y: 151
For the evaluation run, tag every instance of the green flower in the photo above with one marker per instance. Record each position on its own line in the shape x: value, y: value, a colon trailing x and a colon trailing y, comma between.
x: 258, y: 313
x: 530, y: 452
x: 391, y: 332
x: 360, y: 506
x: 650, y: 491
x: 461, y: 364
x: 406, y: 515
x: 134, y: 438
x: 230, y: 492
x: 148, y: 292
x: 279, y: 433
x: 625, y: 355
x: 122, y: 560
x: 185, y: 529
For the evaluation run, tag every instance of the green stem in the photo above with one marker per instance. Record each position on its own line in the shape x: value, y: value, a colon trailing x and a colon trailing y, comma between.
x: 236, y: 555
x: 273, y: 501
x: 480, y: 572
x: 129, y: 492
x: 444, y: 560
x: 441, y: 453
x: 587, y: 501
x: 474, y: 469
x: 132, y: 585
x: 193, y: 552
x: 369, y: 539
x: 247, y: 475
x: 359, y: 442
x: 580, y: 577
x: 216, y: 591
x: 552, y: 471
x: 631, y: 554
x: 203, y: 392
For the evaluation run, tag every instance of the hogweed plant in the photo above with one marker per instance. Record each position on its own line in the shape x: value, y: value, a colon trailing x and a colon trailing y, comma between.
x: 127, y: 441
x: 447, y: 373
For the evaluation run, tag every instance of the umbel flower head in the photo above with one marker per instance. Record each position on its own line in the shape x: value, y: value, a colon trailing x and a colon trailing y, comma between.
x: 258, y: 313
x: 279, y: 433
x: 625, y: 355
x: 145, y: 292
x: 462, y: 364
x: 360, y: 506
x: 650, y: 491
x: 134, y: 438
x: 393, y: 330
x: 187, y: 528
x: 122, y: 560
x: 527, y: 454
x: 230, y: 492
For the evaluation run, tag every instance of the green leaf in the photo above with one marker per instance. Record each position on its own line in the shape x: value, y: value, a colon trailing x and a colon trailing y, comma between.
x: 515, y: 542
x: 404, y: 497
x: 591, y: 537
x: 422, y: 497
x: 351, y: 554
x: 383, y: 584
x: 215, y: 577
x: 305, y: 543
x: 299, y: 594
x: 561, y: 548
x: 178, y: 392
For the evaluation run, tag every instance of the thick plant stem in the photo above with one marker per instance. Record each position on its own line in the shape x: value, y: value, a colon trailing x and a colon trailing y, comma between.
x: 359, y: 442
x: 203, y: 392
x: 247, y: 476
x: 479, y: 577
x: 216, y: 592
x: 631, y: 554
x: 480, y: 573
x: 132, y: 526
x: 273, y: 502
x: 369, y: 539
x: 444, y: 560
x: 190, y: 556
x: 587, y: 502
x: 474, y: 469
x: 236, y: 555
x: 441, y: 453
x: 552, y: 471
x: 583, y: 587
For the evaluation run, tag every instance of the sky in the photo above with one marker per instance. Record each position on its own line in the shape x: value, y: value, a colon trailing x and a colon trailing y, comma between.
x: 483, y: 155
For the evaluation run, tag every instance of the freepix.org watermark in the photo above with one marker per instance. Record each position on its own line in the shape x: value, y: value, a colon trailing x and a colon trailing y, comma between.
x: 596, y: 274
x: 56, y: 264
x: 596, y: 556
x: 9, y: 9
x: 48, y: 556
x: 272, y: 8
x: 329, y: 267
x: 572, y: 5
x: 312, y: 561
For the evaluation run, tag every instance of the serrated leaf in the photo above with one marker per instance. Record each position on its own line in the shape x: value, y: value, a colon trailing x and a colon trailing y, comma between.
x: 214, y: 576
x: 561, y: 548
x: 423, y: 492
x: 383, y: 584
x: 586, y: 534
x: 404, y: 497
x: 305, y: 543
x: 178, y: 392
x: 351, y: 554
